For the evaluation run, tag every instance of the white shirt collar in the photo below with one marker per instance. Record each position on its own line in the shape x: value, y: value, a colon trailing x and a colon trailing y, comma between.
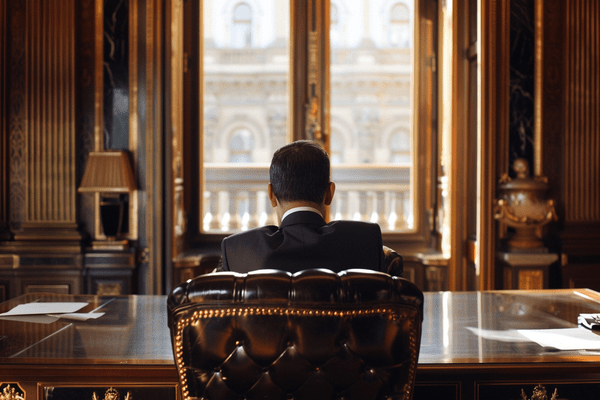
x: 304, y: 208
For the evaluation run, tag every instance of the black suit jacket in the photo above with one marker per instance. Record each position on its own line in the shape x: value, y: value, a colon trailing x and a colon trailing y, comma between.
x: 305, y: 241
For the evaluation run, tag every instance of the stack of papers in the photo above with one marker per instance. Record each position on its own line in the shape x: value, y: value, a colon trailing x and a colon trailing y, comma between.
x: 559, y: 339
x: 48, y: 312
x: 564, y: 339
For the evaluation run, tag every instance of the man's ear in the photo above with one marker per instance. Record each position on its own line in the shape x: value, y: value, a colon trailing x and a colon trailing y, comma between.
x: 329, y: 194
x: 272, y: 197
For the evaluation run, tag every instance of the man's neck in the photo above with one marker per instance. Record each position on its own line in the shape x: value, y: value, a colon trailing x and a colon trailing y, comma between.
x: 283, y: 207
x: 302, y: 208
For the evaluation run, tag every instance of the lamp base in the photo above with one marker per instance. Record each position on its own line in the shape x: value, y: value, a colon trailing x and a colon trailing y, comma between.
x: 110, y: 245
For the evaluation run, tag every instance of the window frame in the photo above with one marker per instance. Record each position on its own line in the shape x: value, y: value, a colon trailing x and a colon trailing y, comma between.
x: 307, y: 17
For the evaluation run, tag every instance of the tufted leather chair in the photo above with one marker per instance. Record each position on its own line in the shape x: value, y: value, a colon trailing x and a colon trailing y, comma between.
x: 312, y: 335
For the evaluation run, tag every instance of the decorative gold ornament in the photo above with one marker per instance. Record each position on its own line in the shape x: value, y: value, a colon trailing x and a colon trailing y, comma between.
x: 313, y: 126
x: 539, y: 393
x: 112, y: 394
x: 12, y: 393
x: 524, y: 207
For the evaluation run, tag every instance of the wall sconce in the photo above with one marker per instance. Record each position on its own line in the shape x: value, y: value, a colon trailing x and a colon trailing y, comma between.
x: 109, y: 173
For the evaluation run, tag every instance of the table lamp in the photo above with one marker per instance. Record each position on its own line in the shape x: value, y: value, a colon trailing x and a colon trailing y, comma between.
x: 109, y: 173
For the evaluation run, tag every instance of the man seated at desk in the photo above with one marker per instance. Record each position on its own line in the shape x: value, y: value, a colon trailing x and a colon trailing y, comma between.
x: 300, y: 190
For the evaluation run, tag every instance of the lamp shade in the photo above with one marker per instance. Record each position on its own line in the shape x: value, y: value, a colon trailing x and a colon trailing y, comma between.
x: 107, y: 171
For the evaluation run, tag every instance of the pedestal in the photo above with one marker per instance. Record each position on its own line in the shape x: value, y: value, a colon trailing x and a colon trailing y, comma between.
x: 110, y: 272
x: 526, y: 270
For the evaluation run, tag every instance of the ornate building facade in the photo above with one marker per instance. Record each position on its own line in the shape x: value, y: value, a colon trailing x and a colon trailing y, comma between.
x: 246, y: 81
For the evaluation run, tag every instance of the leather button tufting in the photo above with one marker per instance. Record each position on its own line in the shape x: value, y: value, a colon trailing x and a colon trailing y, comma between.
x: 292, y: 326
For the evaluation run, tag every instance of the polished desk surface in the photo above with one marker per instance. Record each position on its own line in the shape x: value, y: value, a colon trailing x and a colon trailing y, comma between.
x: 134, y: 329
x: 452, y: 317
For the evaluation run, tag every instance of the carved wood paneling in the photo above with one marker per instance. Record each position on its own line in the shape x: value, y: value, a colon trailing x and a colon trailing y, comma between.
x: 16, y: 117
x: 582, y: 130
x: 50, y: 94
x: 575, y: 144
x: 3, y: 128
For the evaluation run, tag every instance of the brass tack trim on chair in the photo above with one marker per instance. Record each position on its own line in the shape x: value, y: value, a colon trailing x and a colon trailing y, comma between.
x: 233, y: 312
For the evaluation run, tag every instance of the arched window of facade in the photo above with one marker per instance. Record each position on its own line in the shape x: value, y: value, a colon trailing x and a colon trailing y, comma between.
x: 399, y: 145
x: 241, y: 27
x: 399, y: 27
x: 241, y: 90
x: 241, y: 145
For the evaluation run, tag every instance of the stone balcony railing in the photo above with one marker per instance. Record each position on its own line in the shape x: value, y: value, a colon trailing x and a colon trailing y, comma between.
x: 235, y: 196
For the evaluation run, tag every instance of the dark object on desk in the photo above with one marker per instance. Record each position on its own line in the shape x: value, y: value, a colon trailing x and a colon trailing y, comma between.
x: 312, y: 335
x: 590, y: 321
x: 394, y: 262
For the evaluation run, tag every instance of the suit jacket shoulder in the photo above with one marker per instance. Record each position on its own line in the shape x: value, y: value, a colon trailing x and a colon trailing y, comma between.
x: 305, y: 241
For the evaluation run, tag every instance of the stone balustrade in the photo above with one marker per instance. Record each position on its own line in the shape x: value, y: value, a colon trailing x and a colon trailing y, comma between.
x: 235, y: 196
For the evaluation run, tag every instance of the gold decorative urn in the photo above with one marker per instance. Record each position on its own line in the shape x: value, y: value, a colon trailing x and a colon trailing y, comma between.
x: 523, y: 205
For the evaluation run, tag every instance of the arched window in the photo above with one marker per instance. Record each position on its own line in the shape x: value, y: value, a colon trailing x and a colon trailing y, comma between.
x: 241, y: 27
x: 241, y: 145
x: 399, y: 28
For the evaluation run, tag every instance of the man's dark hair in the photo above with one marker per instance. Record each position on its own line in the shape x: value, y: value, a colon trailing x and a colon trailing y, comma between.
x: 300, y: 171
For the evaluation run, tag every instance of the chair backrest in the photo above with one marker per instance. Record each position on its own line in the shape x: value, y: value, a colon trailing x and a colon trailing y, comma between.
x: 312, y: 335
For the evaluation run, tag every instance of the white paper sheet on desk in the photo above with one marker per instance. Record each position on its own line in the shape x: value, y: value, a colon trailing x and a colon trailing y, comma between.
x: 564, y: 339
x: 48, y: 319
x: 45, y: 308
x: 509, y: 335
x: 79, y: 316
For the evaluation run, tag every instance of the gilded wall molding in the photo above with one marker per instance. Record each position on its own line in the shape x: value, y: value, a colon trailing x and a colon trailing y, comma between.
x: 317, y: 92
x: 134, y: 114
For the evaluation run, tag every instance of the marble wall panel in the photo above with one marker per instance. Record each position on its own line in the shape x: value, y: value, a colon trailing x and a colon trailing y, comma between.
x: 522, y: 62
x: 116, y: 74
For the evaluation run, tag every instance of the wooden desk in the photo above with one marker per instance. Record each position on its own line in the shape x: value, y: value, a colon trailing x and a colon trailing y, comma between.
x: 129, y: 348
x: 455, y: 363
